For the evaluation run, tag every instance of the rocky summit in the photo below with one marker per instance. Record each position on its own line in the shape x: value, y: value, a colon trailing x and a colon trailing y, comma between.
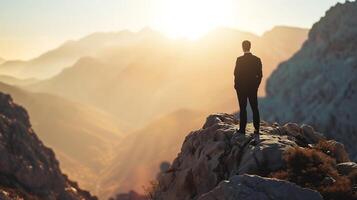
x: 28, y: 169
x: 282, y: 162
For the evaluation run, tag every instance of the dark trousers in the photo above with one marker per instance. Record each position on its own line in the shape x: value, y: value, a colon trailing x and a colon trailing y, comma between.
x: 243, y: 96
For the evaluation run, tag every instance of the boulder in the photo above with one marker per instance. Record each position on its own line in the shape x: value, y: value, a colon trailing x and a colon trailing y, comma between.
x: 252, y: 187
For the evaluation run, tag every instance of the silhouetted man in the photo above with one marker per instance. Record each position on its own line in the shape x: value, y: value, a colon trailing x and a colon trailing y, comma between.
x: 247, y: 77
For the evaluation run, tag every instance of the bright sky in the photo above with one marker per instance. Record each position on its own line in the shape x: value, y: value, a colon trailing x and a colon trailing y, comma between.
x: 30, y: 27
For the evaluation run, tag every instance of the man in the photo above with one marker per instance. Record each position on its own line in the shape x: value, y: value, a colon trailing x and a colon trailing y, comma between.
x: 247, y: 77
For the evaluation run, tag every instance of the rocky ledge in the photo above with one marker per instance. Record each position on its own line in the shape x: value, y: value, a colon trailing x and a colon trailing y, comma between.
x: 282, y: 162
x: 28, y: 169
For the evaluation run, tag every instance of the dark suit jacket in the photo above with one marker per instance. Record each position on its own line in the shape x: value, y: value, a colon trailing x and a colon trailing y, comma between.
x: 247, y: 73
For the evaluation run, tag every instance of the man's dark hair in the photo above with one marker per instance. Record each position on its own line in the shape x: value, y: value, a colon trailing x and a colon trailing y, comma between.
x: 246, y: 45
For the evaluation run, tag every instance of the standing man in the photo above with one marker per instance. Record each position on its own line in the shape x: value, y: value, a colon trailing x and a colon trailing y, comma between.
x: 247, y: 77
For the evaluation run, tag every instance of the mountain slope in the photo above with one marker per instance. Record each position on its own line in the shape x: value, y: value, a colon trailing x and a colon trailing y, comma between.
x: 318, y: 84
x: 82, y: 137
x: 140, y: 154
x: 165, y: 72
x: 15, y: 81
x: 29, y: 170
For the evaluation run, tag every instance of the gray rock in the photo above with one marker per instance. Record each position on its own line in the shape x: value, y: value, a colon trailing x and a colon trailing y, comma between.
x: 266, y: 154
x: 249, y: 187
x: 310, y: 134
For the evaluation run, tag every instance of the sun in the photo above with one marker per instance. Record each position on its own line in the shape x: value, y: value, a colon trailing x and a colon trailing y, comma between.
x: 191, y: 18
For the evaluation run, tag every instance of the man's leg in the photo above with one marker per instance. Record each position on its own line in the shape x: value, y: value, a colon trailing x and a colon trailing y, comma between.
x: 242, y: 99
x: 253, y: 101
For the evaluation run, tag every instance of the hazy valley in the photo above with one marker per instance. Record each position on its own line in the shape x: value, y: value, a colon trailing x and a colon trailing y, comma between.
x: 110, y: 92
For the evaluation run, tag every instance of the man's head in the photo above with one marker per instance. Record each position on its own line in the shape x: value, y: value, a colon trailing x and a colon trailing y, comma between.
x: 246, y: 46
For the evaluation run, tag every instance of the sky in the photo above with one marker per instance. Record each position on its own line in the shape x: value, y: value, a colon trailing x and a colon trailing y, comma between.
x: 31, y: 27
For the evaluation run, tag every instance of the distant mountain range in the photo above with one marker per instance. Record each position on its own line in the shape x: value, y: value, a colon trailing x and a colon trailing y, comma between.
x: 157, y: 75
x: 54, y: 61
x: 318, y: 84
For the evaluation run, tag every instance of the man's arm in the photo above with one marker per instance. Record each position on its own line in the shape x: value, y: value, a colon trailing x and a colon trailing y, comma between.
x: 259, y: 72
x: 236, y: 71
x: 236, y: 68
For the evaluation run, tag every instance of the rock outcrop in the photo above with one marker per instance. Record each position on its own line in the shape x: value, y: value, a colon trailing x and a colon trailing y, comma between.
x: 317, y: 85
x: 28, y: 169
x: 216, y: 153
x: 251, y: 187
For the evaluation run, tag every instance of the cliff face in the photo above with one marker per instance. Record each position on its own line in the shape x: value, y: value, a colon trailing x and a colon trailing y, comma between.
x: 318, y: 84
x: 215, y: 161
x: 28, y: 169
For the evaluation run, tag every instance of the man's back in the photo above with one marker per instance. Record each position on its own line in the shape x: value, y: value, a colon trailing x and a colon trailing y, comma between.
x: 248, y: 72
x: 247, y: 77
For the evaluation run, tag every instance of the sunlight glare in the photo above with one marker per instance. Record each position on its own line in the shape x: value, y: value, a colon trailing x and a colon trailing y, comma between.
x: 191, y: 18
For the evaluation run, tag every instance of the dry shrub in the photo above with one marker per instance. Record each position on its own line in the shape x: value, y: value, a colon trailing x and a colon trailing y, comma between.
x: 311, y: 168
x: 326, y: 147
x: 152, y: 191
x: 353, y: 177
x: 131, y: 195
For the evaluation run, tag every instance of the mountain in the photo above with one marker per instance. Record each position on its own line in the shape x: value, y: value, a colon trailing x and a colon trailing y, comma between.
x: 29, y: 170
x: 158, y: 75
x: 139, y: 154
x: 279, y: 35
x: 318, y: 84
x: 2, y: 60
x: 282, y: 162
x: 54, y: 61
x: 82, y: 137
